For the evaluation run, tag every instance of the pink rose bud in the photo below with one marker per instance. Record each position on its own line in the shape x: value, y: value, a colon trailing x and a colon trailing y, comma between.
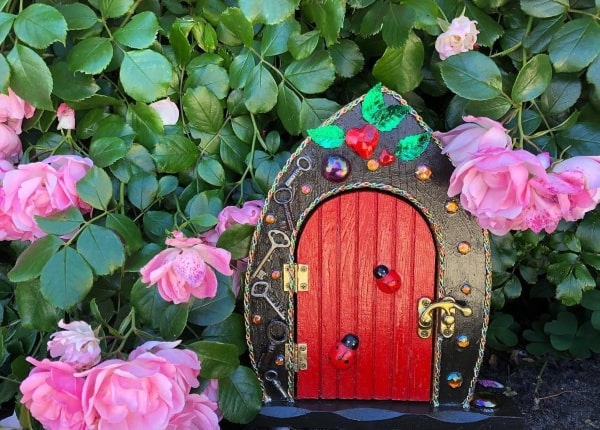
x: 76, y: 345
x: 167, y: 110
x: 461, y: 36
x: 66, y: 117
x: 13, y: 109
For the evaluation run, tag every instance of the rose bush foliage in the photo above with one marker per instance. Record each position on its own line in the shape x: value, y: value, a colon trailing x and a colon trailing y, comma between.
x: 124, y: 122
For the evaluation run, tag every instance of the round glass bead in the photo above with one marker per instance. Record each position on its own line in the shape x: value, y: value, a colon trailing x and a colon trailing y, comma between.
x: 454, y: 379
x: 280, y: 360
x: 256, y: 319
x: 306, y: 189
x: 463, y: 341
x: 465, y: 289
x: 451, y: 206
x: 335, y: 168
x: 270, y: 218
x: 373, y: 165
x: 423, y: 172
x: 464, y: 247
x: 275, y: 275
x: 485, y: 400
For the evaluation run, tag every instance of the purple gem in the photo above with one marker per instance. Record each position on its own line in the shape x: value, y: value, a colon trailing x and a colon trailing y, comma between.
x: 335, y: 168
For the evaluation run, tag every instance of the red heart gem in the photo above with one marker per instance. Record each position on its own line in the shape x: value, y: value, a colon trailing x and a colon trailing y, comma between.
x: 363, y: 140
x: 386, y: 157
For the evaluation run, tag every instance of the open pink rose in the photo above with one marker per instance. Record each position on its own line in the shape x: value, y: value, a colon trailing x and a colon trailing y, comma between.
x: 77, y: 345
x: 142, y: 393
x: 477, y: 134
x: 494, y: 186
x: 10, y: 144
x: 461, y: 36
x: 66, y: 117
x: 52, y: 393
x: 249, y: 213
x: 186, y: 269
x: 13, y: 109
x: 167, y: 110
x: 199, y: 413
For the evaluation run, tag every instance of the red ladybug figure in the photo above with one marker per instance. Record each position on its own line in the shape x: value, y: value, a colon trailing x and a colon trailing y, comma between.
x: 342, y: 355
x: 388, y: 281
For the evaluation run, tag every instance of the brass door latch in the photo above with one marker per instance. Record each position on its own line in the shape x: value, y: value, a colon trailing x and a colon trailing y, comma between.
x: 447, y: 311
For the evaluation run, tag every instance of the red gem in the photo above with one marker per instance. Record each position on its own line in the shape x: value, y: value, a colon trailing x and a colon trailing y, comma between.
x: 386, y: 157
x: 363, y: 140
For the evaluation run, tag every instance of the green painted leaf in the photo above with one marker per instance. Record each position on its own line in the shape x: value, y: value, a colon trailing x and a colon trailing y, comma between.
x: 66, y: 279
x: 400, y: 68
x: 4, y: 75
x: 328, y: 16
x: 575, y: 45
x: 372, y: 103
x: 32, y: 260
x: 398, y: 22
x: 533, y: 79
x: 213, y: 77
x: 288, y: 109
x: 140, y: 32
x: 241, y: 68
x: 219, y: 360
x: 235, y: 21
x: 39, y: 25
x: 91, y: 55
x: 313, y: 74
x: 78, y: 16
x: 347, y: 58
x: 6, y: 24
x: 268, y: 12
x: 411, y: 147
x: 240, y: 396
x: 205, y: 312
x: 142, y: 189
x: 112, y: 8
x: 236, y: 239
x: 211, y: 171
x: 30, y: 77
x: 314, y: 111
x: 61, y: 223
x: 106, y: 150
x: 231, y: 330
x: 275, y: 37
x: 472, y: 75
x: 302, y: 45
x: 203, y: 109
x: 71, y: 86
x: 328, y: 136
x: 101, y: 248
x: 544, y: 8
x: 34, y: 310
x: 260, y: 92
x: 95, y: 188
x: 145, y: 75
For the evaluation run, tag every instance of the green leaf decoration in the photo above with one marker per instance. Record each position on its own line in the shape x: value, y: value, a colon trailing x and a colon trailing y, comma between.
x: 236, y: 239
x: 472, y: 75
x: 411, y: 147
x: 61, y: 223
x: 78, y: 16
x: 175, y: 153
x: 140, y: 32
x: 66, y: 279
x: 95, y: 188
x: 268, y: 12
x: 34, y: 310
x: 575, y: 45
x: 71, y: 86
x: 372, y: 104
x: 219, y: 360
x: 39, y: 25
x: 145, y: 75
x: 30, y: 77
x: 240, y: 396
x: 91, y: 55
x: 30, y: 263
x: 328, y: 136
x: 101, y: 248
x: 390, y: 117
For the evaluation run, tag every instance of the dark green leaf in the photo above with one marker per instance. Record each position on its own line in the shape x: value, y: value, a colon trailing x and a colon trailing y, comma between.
x: 314, y: 111
x: 203, y: 109
x: 593, y: 74
x: 311, y: 75
x: 213, y: 77
x: 544, y: 8
x: 71, y: 86
x: 243, y: 128
x: 34, y: 310
x: 557, y: 272
x: 236, y: 22
x: 101, y: 248
x: 236, y: 239
x: 372, y: 20
x: 489, y: 29
x: 562, y: 330
x: 39, y: 25
x: 398, y: 22
x: 512, y: 289
x: 493, y: 108
x: 260, y: 92
x: 327, y: 136
x: 147, y: 124
x: 66, y: 279
x: 581, y: 139
x: 175, y: 153
x: 166, y: 185
x: 275, y: 37
x: 6, y: 23
x: 182, y: 49
x: 61, y: 223
x: 145, y: 75
x: 574, y: 46
x: 472, y: 75
x: 241, y: 68
x: 157, y: 224
x: 267, y: 12
x: 148, y: 304
x: 265, y: 174
x: 91, y: 55
x: 173, y: 320
x: 106, y: 150
x: 591, y: 259
x: 78, y: 16
x: 30, y: 77
x: 232, y: 150
x: 561, y: 94
x: 128, y: 231
x: 30, y: 263
x: 538, y: 39
x: 142, y: 189
x: 328, y: 15
x: 426, y: 11
x: 400, y: 68
x: 140, y: 32
x: 95, y: 188
x: 211, y: 171
x: 240, y: 396
x: 113, y: 8
x: 219, y: 360
x: 411, y: 147
x: 588, y: 232
x: 205, y: 312
x: 570, y: 290
x: 288, y: 109
x: 231, y: 330
x: 302, y: 45
x: 533, y: 79
x: 347, y: 58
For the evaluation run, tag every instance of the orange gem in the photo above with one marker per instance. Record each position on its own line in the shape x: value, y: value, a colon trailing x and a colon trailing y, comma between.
x: 464, y: 247
x: 454, y: 380
x: 423, y: 172
x: 466, y: 289
x: 462, y: 341
x: 275, y: 275
x: 373, y: 165
x: 270, y: 218
x: 280, y: 360
x: 306, y: 189
x: 452, y: 206
x: 256, y: 319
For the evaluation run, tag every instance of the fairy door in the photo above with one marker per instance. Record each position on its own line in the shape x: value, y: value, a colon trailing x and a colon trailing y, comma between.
x: 342, y: 242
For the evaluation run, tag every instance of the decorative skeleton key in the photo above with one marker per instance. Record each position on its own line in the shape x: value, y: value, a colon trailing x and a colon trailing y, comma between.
x: 261, y: 289
x: 284, y: 243
x: 303, y: 164
x: 273, y: 378
x: 283, y: 196
x: 276, y: 334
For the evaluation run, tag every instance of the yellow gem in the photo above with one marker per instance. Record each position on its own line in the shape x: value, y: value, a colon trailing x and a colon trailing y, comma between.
x: 270, y: 218
x: 423, y: 172
x: 373, y: 165
x: 451, y: 206
x: 464, y: 247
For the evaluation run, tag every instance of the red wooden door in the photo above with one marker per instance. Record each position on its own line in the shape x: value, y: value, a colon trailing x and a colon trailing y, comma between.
x: 342, y: 242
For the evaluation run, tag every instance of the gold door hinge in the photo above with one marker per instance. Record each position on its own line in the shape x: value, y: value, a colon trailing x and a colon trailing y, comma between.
x: 296, y: 274
x: 297, y: 354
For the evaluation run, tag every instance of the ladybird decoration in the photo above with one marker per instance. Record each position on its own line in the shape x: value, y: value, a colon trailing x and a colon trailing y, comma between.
x: 342, y: 354
x: 388, y: 281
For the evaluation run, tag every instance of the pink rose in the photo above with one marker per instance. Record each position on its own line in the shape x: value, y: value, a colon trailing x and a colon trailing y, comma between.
x: 479, y: 133
x: 249, y: 213
x: 13, y: 109
x: 199, y: 413
x: 10, y: 144
x: 66, y: 117
x: 167, y: 110
x: 139, y: 394
x: 76, y: 345
x: 212, y: 392
x: 494, y: 187
x: 52, y: 393
x: 461, y: 36
x: 72, y: 169
x: 185, y: 270
x: 543, y: 211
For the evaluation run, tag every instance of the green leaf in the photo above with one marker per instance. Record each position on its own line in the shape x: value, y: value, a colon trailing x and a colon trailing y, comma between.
x: 574, y: 46
x: 71, y: 86
x: 95, y: 188
x: 236, y: 239
x: 260, y: 92
x: 147, y: 124
x: 213, y: 77
x: 219, y: 360
x: 182, y: 49
x: 268, y: 12
x: 493, y: 108
x: 489, y: 29
x: 562, y: 93
x: 327, y: 136
x: 78, y: 16
x: 544, y: 8
x: 240, y: 396
x: 128, y: 231
x: 142, y: 189
x: 205, y: 312
x: 314, y: 111
x: 175, y: 153
x: 231, y: 330
x: 371, y: 21
x: 235, y: 21
x: 400, y: 68
x: 593, y: 75
x: 32, y: 260
x: 101, y: 248
x: 539, y: 38
x: 30, y: 77
x: 533, y: 79
x: 275, y: 37
x: 106, y: 150
x: 562, y: 330
x: 570, y: 290
x: 112, y: 8
x: 588, y: 233
x: 232, y: 150
x: 398, y: 22
x: 39, y: 25
x: 265, y: 174
x: 145, y: 75
x: 91, y: 55
x: 34, y: 310
x: 288, y: 109
x: 512, y: 289
x: 4, y: 75
x: 148, y: 304
x: 411, y: 147
x: 241, y: 68
x: 302, y: 45
x: 166, y: 185
x: 6, y: 24
x: 211, y: 171
x: 203, y: 109
x: 311, y: 75
x: 61, y: 223
x: 66, y: 279
x: 140, y: 32
x: 472, y: 75
x: 173, y: 320
x: 347, y: 58
x: 581, y: 139
x: 328, y: 15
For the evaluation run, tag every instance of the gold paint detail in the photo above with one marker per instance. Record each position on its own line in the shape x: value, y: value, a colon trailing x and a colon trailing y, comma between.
x: 464, y: 247
x: 423, y: 172
x: 447, y: 316
x: 297, y: 355
x: 296, y: 275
